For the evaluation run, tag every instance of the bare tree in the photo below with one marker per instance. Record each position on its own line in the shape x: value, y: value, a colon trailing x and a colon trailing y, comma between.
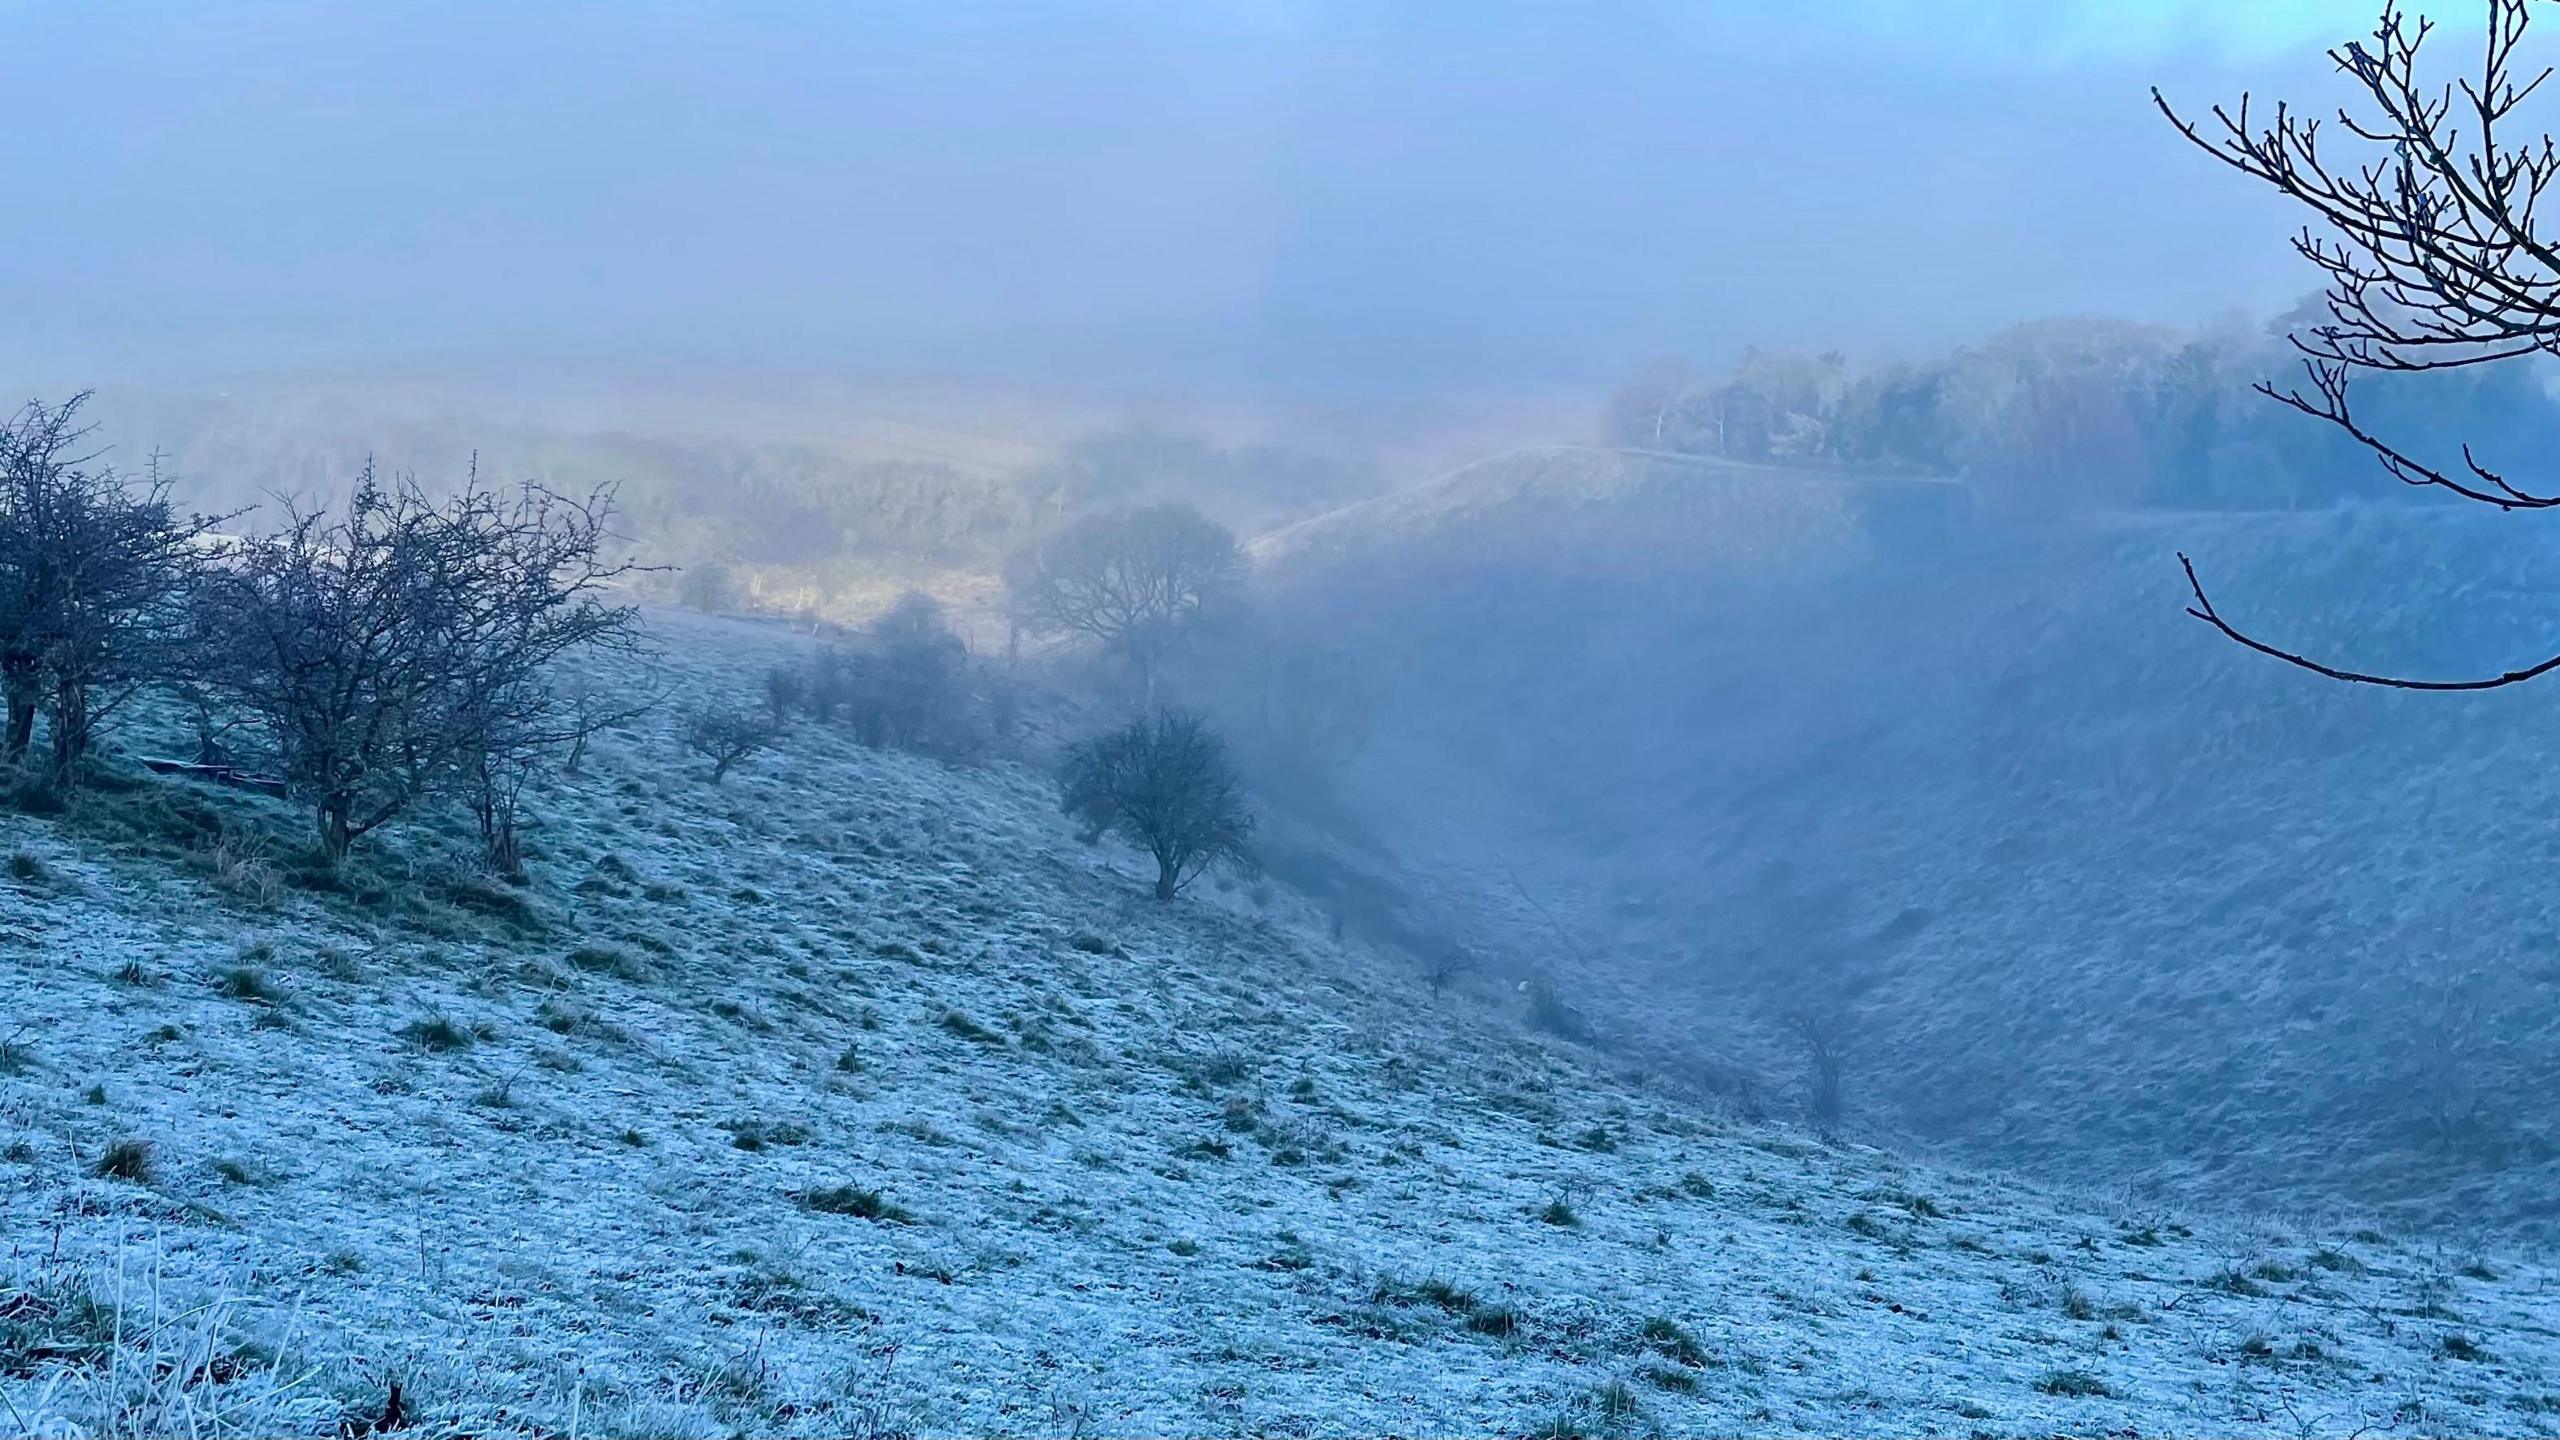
x: 395, y: 648
x: 94, y: 573
x: 521, y: 731
x: 726, y: 735
x: 1820, y: 1032
x: 1139, y: 581
x: 1163, y: 784
x: 2424, y: 220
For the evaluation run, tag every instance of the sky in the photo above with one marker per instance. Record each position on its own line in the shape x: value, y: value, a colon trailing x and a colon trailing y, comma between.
x: 1306, y: 196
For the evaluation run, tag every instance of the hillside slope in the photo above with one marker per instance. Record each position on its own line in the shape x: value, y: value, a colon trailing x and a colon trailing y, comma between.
x: 852, y: 1096
x: 2084, y: 886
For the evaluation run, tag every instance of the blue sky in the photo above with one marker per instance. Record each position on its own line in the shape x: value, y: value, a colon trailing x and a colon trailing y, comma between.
x: 1306, y: 194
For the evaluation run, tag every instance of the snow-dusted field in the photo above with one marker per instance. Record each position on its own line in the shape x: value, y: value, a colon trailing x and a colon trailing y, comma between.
x: 854, y: 1096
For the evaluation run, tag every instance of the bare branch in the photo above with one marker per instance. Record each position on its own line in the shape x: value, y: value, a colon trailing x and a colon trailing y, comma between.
x: 2203, y: 610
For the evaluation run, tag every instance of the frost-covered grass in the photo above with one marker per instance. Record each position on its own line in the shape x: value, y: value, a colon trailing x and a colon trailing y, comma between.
x: 854, y: 1096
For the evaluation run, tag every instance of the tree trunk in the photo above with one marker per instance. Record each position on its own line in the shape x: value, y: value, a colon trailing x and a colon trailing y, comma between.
x: 19, y: 679
x: 335, y: 836
x: 22, y: 729
x: 1168, y: 879
x: 506, y: 853
x: 71, y: 732
x: 497, y: 817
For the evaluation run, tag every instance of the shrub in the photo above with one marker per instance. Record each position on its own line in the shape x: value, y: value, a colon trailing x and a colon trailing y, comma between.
x: 397, y: 648
x: 726, y: 735
x: 1162, y: 784
x: 913, y: 689
x: 94, y: 570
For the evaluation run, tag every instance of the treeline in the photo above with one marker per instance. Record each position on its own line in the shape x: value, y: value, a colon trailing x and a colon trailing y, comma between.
x: 2068, y: 414
x: 805, y: 520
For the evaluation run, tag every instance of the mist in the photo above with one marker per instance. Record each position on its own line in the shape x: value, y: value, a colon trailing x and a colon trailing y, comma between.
x: 1288, y: 717
x: 1302, y: 199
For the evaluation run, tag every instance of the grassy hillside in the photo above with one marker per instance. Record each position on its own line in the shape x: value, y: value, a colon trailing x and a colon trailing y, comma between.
x: 2084, y: 886
x: 853, y: 1096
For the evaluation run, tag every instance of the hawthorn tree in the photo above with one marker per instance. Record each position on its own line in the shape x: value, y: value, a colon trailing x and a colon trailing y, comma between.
x: 399, y: 646
x: 2424, y: 206
x: 95, y: 570
x: 726, y: 735
x: 1162, y: 783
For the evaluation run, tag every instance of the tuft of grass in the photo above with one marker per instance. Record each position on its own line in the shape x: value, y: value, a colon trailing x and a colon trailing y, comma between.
x: 2457, y: 1346
x: 1499, y: 1321
x: 436, y: 1032
x: 1560, y: 1214
x: 855, y: 1201
x: 1665, y: 1337
x: 247, y: 982
x: 756, y: 1134
x: 606, y: 960
x: 128, y: 1159
x: 2236, y: 1281
x: 1917, y: 1206
x: 1448, y: 1296
x: 2077, y: 1384
x: 958, y: 1023
x: 28, y: 868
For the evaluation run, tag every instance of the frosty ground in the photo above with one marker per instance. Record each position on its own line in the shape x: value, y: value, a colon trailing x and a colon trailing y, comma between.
x: 855, y: 1096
